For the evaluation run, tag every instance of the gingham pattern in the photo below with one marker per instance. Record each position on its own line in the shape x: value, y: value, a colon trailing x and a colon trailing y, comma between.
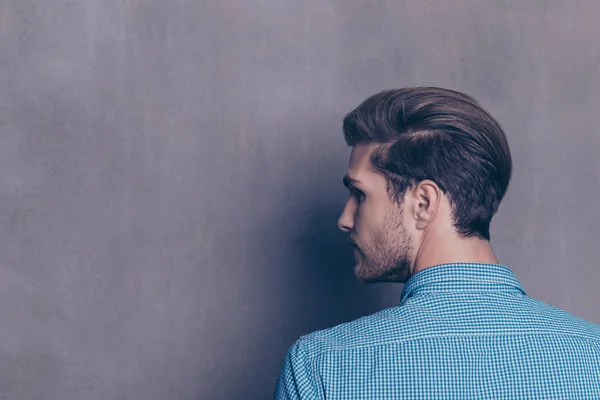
x: 461, y: 331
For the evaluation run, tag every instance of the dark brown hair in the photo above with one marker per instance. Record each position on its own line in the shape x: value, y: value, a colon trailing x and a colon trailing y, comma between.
x: 442, y: 135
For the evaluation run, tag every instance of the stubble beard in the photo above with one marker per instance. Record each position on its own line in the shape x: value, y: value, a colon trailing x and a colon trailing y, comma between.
x: 387, y: 257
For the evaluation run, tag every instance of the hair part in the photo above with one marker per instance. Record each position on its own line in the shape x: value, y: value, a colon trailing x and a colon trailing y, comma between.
x: 441, y: 135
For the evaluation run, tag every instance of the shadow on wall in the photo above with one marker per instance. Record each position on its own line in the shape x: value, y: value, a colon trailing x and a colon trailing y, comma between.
x: 322, y: 288
x: 333, y: 294
x: 319, y: 289
x: 303, y: 279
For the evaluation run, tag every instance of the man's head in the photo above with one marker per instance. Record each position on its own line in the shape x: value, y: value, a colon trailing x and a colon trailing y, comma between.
x: 427, y: 164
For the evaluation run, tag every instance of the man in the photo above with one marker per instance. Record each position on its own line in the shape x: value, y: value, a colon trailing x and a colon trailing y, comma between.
x: 427, y: 172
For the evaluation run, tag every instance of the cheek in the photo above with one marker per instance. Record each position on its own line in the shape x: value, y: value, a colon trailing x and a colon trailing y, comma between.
x: 368, y: 218
x: 375, y: 212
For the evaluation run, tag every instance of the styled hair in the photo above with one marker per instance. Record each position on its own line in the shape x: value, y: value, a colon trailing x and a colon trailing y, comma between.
x: 441, y: 135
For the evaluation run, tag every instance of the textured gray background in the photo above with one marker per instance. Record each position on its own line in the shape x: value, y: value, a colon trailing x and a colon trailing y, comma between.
x: 170, y: 176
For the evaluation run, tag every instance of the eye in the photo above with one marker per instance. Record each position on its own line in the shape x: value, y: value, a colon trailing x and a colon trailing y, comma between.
x: 358, y: 194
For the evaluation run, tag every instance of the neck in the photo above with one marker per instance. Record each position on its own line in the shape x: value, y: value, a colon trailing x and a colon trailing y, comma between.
x: 453, y: 250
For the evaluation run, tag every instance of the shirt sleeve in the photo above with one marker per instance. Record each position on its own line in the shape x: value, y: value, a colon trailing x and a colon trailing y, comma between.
x: 297, y: 380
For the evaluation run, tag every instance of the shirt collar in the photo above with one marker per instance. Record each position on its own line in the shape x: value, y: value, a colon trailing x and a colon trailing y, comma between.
x: 462, y: 277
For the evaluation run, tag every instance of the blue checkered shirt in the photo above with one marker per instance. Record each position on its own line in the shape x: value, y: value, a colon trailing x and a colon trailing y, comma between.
x: 461, y: 331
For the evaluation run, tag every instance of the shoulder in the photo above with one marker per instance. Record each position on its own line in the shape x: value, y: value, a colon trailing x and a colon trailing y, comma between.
x: 391, y: 324
x: 564, y: 321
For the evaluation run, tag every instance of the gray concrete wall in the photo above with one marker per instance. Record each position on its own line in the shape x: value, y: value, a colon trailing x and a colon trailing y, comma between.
x: 170, y: 176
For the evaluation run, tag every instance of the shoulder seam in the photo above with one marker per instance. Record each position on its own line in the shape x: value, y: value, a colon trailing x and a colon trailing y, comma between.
x: 304, y: 339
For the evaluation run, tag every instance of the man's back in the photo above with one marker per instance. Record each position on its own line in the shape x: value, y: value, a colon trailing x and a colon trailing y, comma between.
x: 462, y: 331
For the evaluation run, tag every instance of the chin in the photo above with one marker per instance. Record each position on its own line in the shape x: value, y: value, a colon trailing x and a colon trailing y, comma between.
x: 393, y: 276
x: 367, y: 277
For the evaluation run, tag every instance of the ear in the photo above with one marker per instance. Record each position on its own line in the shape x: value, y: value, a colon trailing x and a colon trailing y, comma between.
x: 426, y: 200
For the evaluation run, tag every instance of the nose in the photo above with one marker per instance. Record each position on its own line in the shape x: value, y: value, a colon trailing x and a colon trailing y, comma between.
x: 346, y: 220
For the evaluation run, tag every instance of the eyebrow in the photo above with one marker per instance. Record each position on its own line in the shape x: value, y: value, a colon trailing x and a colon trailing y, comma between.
x: 350, y: 182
